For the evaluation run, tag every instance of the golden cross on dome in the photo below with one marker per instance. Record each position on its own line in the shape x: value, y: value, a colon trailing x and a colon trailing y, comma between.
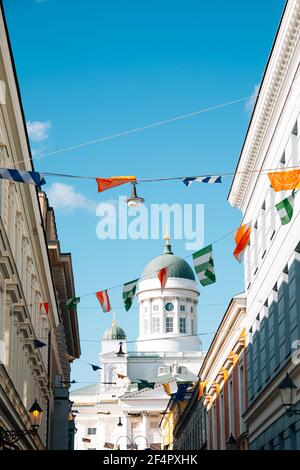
x: 167, y: 234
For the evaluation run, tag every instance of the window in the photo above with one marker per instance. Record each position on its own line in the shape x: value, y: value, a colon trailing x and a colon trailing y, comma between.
x: 155, y: 325
x: 163, y: 370
x: 192, y: 327
x: 169, y: 325
x: 182, y: 308
x: 192, y: 309
x: 155, y: 308
x: 92, y: 431
x: 145, y: 308
x: 182, y: 325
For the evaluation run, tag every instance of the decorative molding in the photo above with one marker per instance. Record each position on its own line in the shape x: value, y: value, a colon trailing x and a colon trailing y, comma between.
x: 266, y: 103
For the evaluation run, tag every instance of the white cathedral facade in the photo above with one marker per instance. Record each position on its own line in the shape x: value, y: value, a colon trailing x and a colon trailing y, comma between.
x: 118, y: 414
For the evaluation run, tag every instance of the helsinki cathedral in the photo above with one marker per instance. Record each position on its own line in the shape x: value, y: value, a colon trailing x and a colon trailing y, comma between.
x: 122, y: 414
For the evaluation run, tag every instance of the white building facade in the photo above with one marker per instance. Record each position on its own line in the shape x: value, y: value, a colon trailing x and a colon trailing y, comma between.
x: 168, y: 351
x: 272, y: 259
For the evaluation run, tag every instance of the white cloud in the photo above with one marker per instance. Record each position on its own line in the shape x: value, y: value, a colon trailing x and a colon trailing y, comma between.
x: 38, y: 131
x: 64, y: 197
x: 249, y: 105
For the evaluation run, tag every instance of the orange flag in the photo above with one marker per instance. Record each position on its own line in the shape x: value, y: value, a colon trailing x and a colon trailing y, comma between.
x: 242, y: 237
x: 167, y: 389
x: 282, y: 180
x: 163, y: 277
x: 202, y: 387
x: 107, y: 183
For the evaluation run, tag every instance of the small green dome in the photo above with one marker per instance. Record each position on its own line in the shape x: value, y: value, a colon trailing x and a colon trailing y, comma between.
x: 178, y: 267
x: 114, y: 332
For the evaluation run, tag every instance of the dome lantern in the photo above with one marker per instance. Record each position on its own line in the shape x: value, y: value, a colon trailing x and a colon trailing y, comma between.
x: 114, y: 332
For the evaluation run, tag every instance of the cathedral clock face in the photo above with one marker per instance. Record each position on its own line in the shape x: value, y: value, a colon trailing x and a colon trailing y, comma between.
x: 169, y: 307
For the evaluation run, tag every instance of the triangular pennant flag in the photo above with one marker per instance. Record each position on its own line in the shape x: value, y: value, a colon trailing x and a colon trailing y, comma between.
x: 39, y: 344
x: 129, y: 290
x: 181, y: 391
x: 285, y: 180
x: 204, y: 266
x: 103, y: 298
x: 72, y: 303
x: 242, y: 238
x: 19, y: 176
x: 167, y: 389
x: 163, y: 277
x: 95, y: 367
x: 46, y: 307
x: 121, y: 376
x: 202, y: 388
x: 202, y: 179
x: 113, y: 181
x: 285, y: 209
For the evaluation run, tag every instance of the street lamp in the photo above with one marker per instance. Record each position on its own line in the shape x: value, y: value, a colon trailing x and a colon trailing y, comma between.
x: 134, y: 200
x: 231, y: 443
x: 131, y: 445
x: 137, y: 437
x: 120, y: 353
x: 287, y: 390
x: 8, y: 437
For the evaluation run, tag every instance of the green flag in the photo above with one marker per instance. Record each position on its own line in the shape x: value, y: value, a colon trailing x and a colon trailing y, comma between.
x: 285, y: 209
x: 129, y: 290
x: 71, y: 303
x: 204, y: 266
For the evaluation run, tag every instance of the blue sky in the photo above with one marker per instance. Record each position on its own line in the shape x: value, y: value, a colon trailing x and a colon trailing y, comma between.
x: 88, y: 69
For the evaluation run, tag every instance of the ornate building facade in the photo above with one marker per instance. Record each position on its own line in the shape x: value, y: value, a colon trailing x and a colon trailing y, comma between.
x: 215, y: 409
x: 272, y: 258
x: 29, y: 275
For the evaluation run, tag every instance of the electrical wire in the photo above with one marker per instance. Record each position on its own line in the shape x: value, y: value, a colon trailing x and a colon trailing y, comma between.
x: 208, y: 333
x: 177, y: 178
x: 139, y: 129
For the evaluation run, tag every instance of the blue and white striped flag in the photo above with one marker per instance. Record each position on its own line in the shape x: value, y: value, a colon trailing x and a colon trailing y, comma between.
x: 202, y: 179
x: 29, y: 177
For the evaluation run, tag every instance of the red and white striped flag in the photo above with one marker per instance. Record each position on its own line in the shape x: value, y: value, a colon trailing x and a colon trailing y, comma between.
x: 163, y: 277
x: 44, y: 306
x: 103, y: 298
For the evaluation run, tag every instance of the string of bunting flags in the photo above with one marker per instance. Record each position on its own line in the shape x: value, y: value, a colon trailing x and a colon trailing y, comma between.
x: 289, y: 179
x: 203, y: 259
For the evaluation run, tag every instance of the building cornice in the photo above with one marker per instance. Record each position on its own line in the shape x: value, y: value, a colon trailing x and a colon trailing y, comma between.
x: 270, y: 92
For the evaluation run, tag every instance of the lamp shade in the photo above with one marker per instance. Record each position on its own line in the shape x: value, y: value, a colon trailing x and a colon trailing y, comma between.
x: 134, y: 200
x: 287, y: 390
x: 120, y: 353
x: 35, y: 414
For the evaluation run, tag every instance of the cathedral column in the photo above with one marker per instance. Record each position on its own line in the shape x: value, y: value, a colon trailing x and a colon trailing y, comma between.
x: 145, y: 430
x: 176, y: 315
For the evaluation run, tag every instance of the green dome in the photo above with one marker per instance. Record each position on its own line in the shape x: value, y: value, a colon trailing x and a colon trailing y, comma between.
x: 114, y: 332
x: 178, y: 267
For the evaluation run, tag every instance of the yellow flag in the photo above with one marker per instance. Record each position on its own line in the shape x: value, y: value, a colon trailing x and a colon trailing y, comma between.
x: 202, y: 387
x: 167, y: 389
